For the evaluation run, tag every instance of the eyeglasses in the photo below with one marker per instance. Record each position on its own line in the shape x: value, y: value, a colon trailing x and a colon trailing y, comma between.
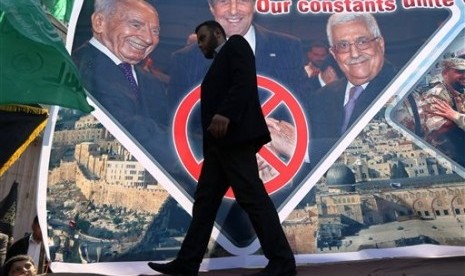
x: 361, y: 43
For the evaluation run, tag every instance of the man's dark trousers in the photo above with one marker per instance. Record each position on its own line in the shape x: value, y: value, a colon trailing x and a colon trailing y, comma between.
x: 236, y: 167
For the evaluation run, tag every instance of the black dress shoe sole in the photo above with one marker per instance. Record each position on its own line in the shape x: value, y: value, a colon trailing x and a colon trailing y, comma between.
x: 171, y: 270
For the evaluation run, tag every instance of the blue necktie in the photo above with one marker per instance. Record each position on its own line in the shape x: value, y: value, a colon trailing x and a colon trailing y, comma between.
x: 127, y: 71
x: 354, y: 93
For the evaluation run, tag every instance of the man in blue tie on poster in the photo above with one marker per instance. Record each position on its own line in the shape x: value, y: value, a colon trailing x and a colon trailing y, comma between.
x: 358, y: 47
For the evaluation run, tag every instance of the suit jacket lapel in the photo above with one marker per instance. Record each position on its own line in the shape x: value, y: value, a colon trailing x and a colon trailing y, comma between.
x: 114, y: 75
x: 262, y: 58
x: 142, y: 101
x: 338, y: 100
x: 216, y: 62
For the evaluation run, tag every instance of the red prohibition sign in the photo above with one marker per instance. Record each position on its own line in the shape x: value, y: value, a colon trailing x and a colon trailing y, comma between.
x: 279, y: 95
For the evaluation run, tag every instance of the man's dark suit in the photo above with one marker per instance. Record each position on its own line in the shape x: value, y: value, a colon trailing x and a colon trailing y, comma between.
x: 230, y: 89
x: 108, y: 85
x: 143, y: 115
x: 277, y: 56
x: 312, y: 85
x: 327, y: 112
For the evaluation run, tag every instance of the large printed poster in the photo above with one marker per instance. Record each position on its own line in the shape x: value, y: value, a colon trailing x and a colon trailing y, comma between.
x: 121, y: 180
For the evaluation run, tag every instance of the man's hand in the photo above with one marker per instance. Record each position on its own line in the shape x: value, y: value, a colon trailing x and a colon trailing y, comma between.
x: 265, y: 171
x: 283, y: 137
x: 443, y: 109
x: 218, y: 126
x: 329, y: 75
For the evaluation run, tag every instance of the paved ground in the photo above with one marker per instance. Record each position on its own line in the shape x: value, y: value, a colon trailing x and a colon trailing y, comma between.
x: 453, y: 266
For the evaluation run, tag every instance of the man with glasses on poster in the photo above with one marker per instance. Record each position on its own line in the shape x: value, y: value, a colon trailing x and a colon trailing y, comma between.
x: 358, y: 47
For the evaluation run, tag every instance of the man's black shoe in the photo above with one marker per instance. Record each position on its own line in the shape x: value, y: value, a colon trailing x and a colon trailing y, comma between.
x: 277, y: 268
x: 173, y: 268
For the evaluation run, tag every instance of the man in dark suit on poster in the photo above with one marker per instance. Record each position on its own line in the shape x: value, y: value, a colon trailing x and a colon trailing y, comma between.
x: 358, y: 47
x: 124, y: 33
x: 234, y: 129
x: 277, y: 55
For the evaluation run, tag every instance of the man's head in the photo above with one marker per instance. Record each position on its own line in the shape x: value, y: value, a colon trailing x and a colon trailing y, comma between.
x: 210, y: 34
x: 128, y: 28
x: 234, y: 15
x: 316, y: 53
x: 20, y: 265
x: 36, y: 231
x: 453, y: 73
x: 357, y: 45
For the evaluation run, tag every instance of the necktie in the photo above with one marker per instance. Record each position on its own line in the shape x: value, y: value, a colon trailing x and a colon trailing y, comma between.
x: 354, y: 93
x: 127, y: 71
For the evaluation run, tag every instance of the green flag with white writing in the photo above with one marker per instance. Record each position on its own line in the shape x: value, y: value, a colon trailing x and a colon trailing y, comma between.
x: 35, y: 67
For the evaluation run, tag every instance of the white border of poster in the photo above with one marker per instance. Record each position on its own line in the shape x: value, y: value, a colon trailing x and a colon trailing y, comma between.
x: 244, y: 256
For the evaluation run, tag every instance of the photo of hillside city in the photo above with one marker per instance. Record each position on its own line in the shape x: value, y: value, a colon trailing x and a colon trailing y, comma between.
x: 384, y: 191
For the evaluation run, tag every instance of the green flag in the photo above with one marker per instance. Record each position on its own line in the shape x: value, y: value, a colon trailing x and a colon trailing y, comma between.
x: 34, y: 64
x: 60, y: 9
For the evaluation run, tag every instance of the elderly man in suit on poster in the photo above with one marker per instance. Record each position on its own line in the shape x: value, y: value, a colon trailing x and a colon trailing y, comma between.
x: 124, y: 33
x: 358, y: 47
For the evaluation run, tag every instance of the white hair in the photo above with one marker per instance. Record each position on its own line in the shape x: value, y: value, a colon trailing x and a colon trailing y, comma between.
x: 342, y: 18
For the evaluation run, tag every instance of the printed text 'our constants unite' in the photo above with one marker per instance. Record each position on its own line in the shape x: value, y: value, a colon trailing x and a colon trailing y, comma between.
x: 278, y: 7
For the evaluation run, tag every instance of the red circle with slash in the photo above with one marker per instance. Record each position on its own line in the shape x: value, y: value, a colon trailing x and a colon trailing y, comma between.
x: 279, y: 95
